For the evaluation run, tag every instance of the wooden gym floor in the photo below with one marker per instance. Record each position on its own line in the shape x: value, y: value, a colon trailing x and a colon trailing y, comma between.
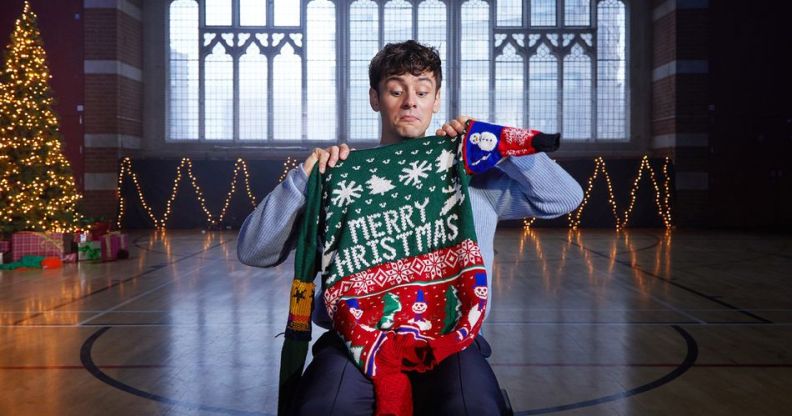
x: 595, y: 323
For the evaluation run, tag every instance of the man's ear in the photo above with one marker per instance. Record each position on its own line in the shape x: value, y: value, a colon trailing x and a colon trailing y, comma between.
x: 374, y: 99
x: 436, y: 106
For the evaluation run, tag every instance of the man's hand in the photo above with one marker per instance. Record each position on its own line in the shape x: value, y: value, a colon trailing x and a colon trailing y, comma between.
x: 326, y: 157
x: 453, y: 127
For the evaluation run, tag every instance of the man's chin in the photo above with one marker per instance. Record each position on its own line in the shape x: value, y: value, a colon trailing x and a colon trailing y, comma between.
x: 411, y: 133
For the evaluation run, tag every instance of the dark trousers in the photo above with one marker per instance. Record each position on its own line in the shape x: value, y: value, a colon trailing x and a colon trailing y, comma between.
x: 463, y: 384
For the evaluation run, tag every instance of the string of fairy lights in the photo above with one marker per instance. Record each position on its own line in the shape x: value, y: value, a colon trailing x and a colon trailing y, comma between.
x: 288, y: 165
x: 662, y: 197
x: 186, y: 165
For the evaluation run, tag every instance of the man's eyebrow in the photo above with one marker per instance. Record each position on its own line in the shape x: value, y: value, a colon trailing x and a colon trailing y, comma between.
x: 401, y: 79
x: 394, y: 78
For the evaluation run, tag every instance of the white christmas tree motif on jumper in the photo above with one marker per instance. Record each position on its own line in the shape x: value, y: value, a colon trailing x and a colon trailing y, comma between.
x: 345, y: 194
x: 456, y: 197
x: 355, y: 350
x: 414, y: 174
x: 327, y: 254
x: 445, y: 161
x: 379, y: 186
x: 469, y: 252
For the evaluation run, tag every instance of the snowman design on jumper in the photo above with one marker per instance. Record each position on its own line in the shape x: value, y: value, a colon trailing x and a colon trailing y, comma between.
x: 481, y: 289
x: 418, y: 308
x: 354, y: 308
x: 486, y: 141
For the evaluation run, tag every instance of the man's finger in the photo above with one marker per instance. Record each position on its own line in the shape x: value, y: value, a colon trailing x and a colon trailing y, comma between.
x: 333, y: 156
x: 344, y: 151
x: 323, y: 156
x: 440, y: 132
x: 459, y: 127
x: 450, y: 130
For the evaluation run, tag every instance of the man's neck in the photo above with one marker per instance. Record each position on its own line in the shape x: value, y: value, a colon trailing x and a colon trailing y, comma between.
x: 387, y: 139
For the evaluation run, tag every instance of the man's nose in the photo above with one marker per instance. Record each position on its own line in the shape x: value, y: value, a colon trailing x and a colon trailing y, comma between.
x: 409, y: 100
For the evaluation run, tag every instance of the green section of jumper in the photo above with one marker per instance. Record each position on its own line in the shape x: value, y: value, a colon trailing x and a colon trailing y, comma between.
x: 396, y: 201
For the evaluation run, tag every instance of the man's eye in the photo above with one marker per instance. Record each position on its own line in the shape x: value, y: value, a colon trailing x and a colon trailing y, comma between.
x: 395, y: 93
x: 422, y: 94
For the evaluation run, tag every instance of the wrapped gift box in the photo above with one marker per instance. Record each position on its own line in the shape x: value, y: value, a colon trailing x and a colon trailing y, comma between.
x: 5, y: 252
x: 30, y: 243
x: 69, y: 246
x: 89, y: 250
x: 111, y: 244
x: 98, y: 229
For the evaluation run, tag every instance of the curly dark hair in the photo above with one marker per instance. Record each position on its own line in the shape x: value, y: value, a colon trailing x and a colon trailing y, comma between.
x: 401, y: 58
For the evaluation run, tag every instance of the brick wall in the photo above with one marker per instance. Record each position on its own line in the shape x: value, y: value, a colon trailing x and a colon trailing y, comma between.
x: 680, y: 100
x: 113, y: 96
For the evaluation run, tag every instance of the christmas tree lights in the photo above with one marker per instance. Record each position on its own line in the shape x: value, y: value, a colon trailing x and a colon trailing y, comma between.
x: 37, y: 189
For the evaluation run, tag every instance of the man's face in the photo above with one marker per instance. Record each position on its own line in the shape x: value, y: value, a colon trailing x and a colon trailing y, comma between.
x: 406, y: 103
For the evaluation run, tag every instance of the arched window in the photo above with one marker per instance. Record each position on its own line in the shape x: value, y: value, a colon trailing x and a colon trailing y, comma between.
x: 611, y: 71
x: 295, y: 72
x: 287, y: 106
x: 183, y: 74
x: 433, y: 31
x: 543, y: 89
x: 577, y: 95
x: 474, y: 94
x: 253, y: 94
x: 576, y: 80
x: 322, y: 123
x: 218, y: 94
x: 509, y: 87
x: 363, y: 45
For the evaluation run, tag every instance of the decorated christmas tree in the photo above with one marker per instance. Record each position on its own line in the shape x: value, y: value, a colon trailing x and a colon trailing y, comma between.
x: 37, y: 190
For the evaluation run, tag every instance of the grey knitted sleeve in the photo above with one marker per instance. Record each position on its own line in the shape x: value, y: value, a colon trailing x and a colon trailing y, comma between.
x: 268, y: 234
x: 530, y: 186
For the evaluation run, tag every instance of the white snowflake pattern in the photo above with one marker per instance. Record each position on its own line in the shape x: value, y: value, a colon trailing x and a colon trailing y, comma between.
x: 345, y: 194
x: 379, y: 186
x: 362, y: 282
x: 469, y: 252
x: 445, y: 161
x: 416, y: 172
x: 399, y: 272
x: 434, y: 265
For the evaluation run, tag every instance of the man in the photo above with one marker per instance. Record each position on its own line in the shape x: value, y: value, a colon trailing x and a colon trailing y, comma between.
x: 405, y: 80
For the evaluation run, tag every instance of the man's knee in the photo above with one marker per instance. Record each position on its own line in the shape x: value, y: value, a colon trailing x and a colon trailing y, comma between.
x: 343, y: 404
x: 473, y: 403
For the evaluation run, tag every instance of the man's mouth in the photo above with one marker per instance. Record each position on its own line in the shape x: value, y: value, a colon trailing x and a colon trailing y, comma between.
x: 408, y: 118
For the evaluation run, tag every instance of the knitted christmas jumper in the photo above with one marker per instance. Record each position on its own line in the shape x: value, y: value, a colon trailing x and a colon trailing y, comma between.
x: 391, y: 231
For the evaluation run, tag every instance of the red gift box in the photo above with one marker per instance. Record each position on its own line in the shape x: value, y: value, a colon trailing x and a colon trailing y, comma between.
x: 111, y: 244
x: 31, y: 243
x: 98, y: 230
